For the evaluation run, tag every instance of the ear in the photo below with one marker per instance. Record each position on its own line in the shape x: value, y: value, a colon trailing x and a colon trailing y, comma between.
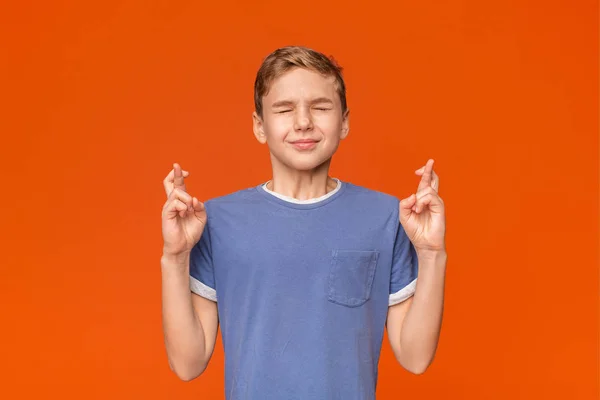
x: 258, y: 127
x: 345, y: 124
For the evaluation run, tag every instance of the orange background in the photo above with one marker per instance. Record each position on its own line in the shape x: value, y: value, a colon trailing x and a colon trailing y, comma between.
x: 98, y: 101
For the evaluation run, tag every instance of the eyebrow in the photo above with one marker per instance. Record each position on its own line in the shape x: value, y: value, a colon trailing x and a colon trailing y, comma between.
x: 283, y: 103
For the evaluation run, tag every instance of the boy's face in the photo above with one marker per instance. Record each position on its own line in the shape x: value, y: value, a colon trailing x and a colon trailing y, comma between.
x: 302, y: 121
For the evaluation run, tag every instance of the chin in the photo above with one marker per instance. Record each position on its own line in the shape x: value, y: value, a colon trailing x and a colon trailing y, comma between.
x: 306, y: 162
x: 305, y: 166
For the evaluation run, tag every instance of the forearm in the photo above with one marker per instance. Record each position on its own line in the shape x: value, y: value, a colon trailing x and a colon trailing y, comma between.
x: 421, y: 327
x: 183, y: 333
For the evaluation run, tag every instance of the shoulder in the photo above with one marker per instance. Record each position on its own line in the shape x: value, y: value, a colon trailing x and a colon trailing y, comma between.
x: 236, y: 198
x: 374, y: 198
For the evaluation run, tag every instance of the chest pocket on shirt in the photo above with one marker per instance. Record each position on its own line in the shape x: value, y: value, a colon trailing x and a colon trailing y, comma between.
x: 351, y: 276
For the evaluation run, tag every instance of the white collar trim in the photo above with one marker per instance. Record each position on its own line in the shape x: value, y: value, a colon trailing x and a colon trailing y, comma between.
x: 308, y: 201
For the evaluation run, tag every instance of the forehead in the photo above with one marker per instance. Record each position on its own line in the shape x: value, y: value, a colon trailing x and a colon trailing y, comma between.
x: 302, y: 83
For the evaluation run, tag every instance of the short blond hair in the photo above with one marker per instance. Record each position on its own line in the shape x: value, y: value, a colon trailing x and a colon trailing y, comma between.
x: 284, y: 59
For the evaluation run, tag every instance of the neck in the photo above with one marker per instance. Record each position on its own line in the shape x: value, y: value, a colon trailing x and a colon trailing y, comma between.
x: 301, y: 185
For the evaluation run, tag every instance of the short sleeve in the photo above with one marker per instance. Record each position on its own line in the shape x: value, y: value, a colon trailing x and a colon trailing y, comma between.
x: 404, y: 268
x: 202, y: 276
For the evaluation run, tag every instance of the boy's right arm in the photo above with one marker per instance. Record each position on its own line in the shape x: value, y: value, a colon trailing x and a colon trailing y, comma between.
x: 190, y: 322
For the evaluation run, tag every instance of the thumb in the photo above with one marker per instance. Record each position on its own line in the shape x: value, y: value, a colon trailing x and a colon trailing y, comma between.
x: 198, y: 206
x: 406, y: 207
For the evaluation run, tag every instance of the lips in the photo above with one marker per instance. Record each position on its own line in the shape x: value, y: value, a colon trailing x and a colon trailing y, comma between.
x: 301, y: 141
x: 304, y: 144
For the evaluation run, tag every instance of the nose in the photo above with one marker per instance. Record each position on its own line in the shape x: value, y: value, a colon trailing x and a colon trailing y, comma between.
x: 303, y: 120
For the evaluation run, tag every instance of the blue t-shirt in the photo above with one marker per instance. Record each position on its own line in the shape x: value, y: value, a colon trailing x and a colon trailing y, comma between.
x: 303, y: 289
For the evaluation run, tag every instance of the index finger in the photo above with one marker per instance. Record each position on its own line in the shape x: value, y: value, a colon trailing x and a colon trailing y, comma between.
x: 435, y: 181
x: 427, y: 175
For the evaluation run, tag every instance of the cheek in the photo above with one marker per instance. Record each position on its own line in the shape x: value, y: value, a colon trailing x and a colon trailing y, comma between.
x: 277, y: 128
x: 329, y: 125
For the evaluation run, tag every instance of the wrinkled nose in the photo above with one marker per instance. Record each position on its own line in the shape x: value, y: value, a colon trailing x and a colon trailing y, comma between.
x: 303, y: 120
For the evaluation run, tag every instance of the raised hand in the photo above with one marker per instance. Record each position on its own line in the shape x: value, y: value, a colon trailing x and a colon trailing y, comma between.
x: 422, y: 214
x: 183, y: 216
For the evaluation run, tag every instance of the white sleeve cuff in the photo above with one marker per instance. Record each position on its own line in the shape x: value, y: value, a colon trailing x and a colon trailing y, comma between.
x: 202, y: 290
x: 403, y: 294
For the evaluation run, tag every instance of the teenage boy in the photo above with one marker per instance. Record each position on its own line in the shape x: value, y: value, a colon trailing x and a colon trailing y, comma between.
x: 304, y: 272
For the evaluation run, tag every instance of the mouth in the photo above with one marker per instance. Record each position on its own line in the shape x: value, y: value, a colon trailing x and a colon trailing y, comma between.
x: 304, y: 144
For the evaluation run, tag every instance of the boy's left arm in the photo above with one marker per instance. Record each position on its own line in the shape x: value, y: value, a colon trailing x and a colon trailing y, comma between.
x: 414, y: 325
